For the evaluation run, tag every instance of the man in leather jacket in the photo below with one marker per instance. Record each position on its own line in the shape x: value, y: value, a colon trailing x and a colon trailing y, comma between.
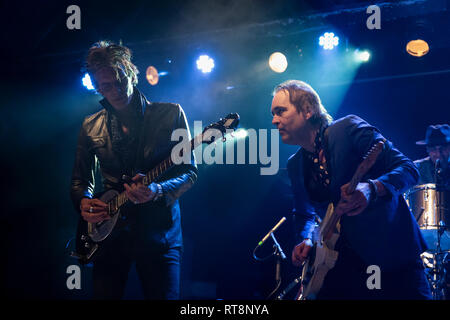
x: 128, y: 137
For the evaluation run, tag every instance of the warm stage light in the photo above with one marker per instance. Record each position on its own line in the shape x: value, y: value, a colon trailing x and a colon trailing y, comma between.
x: 205, y: 64
x: 417, y: 48
x: 152, y: 75
x: 278, y: 62
x: 87, y: 82
x: 328, y: 41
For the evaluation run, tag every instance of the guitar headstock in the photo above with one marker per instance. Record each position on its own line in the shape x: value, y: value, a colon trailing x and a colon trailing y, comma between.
x: 367, y: 163
x: 374, y: 152
x: 230, y: 122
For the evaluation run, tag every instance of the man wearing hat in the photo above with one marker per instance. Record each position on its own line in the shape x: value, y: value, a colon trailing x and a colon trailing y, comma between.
x: 436, y: 167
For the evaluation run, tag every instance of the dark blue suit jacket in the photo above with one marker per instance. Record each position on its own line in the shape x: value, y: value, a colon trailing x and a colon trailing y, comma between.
x: 386, y: 233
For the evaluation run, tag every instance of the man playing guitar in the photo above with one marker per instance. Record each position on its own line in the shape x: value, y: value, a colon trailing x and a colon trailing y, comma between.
x: 376, y: 226
x: 127, y: 137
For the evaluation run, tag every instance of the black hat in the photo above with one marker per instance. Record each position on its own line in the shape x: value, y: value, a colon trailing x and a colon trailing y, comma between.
x: 436, y: 135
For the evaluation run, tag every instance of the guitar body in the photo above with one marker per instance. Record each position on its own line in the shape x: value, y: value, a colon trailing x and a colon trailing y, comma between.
x: 321, y: 259
x: 90, y: 235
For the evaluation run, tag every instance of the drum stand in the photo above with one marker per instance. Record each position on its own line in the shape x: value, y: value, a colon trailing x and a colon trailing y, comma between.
x: 436, y: 273
x: 435, y: 262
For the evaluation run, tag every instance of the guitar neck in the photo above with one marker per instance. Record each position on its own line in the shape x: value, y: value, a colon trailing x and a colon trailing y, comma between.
x: 122, y: 198
x: 362, y: 169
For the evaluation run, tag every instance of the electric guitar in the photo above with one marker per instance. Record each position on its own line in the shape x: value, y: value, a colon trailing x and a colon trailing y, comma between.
x: 322, y: 256
x: 90, y: 236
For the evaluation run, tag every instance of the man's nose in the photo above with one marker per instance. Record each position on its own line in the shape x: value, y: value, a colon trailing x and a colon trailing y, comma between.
x: 275, y: 121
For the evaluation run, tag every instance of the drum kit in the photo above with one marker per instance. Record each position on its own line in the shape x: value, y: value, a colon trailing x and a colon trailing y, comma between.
x: 431, y: 207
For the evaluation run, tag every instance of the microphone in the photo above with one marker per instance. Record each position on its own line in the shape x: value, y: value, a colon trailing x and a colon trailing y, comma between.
x: 438, y: 178
x: 271, y: 231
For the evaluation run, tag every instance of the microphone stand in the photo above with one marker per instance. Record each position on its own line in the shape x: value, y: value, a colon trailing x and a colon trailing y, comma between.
x: 438, y: 272
x: 278, y: 252
x: 439, y: 203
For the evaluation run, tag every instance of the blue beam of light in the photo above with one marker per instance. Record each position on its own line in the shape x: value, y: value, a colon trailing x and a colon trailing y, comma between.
x: 87, y: 82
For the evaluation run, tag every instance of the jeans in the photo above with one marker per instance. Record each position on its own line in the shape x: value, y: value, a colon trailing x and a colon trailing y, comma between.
x: 158, y: 270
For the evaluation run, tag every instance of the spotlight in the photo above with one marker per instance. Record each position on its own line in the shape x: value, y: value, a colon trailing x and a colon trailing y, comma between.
x: 205, y: 64
x: 362, y: 56
x: 417, y: 48
x: 152, y: 75
x: 328, y: 41
x: 278, y: 62
x: 87, y: 82
x: 240, y: 133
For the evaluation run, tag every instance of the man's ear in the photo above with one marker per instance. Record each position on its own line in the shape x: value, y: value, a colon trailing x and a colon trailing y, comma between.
x: 307, y: 112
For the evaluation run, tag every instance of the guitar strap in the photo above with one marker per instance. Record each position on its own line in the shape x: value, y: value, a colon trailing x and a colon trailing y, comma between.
x: 324, y: 137
x: 140, y: 149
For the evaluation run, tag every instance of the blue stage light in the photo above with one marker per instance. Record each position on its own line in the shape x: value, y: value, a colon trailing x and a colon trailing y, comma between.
x: 362, y: 56
x: 87, y: 82
x: 240, y: 133
x: 205, y: 63
x: 328, y: 41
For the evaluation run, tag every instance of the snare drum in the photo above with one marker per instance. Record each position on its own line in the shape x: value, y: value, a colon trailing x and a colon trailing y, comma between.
x: 431, y: 210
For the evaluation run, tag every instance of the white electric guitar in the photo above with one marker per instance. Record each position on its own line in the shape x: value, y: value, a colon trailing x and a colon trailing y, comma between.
x: 322, y: 256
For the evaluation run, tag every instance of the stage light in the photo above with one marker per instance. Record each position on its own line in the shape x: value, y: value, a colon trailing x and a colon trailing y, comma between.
x: 240, y: 133
x: 362, y: 56
x: 328, y: 41
x: 205, y: 64
x: 278, y: 62
x: 152, y: 75
x: 417, y: 48
x: 87, y: 82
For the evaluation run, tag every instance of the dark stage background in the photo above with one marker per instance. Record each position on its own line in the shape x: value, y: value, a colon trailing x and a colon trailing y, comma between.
x: 231, y: 207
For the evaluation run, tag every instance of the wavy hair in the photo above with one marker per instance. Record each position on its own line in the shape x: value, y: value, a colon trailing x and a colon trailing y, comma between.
x: 105, y: 54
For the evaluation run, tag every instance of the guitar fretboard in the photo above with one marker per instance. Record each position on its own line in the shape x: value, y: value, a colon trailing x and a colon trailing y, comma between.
x: 118, y: 201
x: 330, y: 225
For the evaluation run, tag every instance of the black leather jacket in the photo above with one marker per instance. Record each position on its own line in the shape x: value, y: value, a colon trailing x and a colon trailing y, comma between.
x: 155, y: 223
